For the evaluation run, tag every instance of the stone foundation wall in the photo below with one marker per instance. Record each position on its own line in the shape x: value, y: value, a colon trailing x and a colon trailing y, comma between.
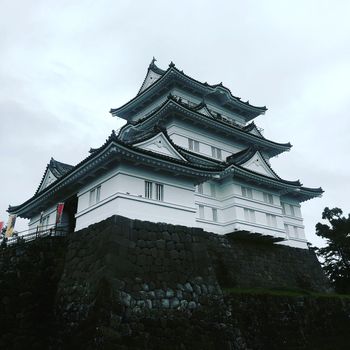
x: 128, y: 284
x: 29, y: 274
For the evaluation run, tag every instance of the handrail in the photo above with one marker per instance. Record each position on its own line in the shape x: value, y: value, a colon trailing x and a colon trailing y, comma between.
x: 39, y: 233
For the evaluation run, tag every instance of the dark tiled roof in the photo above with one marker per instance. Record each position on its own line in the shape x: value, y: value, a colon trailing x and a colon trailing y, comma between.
x: 152, y: 66
x: 205, y: 85
x: 136, y: 127
x: 202, y: 168
x: 243, y: 156
x: 57, y: 168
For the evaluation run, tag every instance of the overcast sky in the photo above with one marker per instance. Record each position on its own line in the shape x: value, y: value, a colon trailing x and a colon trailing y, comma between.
x: 64, y: 65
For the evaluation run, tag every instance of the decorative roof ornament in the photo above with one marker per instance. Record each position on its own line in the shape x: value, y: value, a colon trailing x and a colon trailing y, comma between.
x: 172, y: 64
x: 152, y: 64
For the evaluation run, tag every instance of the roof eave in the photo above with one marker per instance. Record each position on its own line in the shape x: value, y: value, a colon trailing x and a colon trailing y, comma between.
x: 110, y: 149
x: 250, y: 111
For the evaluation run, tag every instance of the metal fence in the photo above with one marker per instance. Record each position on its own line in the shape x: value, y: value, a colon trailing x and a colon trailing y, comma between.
x: 53, y: 231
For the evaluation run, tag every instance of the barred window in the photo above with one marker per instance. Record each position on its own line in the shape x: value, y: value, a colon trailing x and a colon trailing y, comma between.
x: 154, y: 191
x: 148, y: 189
x: 268, y: 198
x: 159, y: 192
x: 200, y: 188
x: 95, y: 195
x: 201, y: 211
x: 283, y: 208
x: 271, y: 220
x: 292, y: 211
x: 193, y: 145
x: 215, y: 214
x: 249, y: 215
x: 213, y: 190
x: 247, y: 192
x: 216, y: 152
x: 286, y: 228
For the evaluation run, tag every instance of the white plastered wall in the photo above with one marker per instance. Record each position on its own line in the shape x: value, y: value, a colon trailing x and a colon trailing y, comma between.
x: 35, y: 220
x: 230, y: 204
x: 123, y: 193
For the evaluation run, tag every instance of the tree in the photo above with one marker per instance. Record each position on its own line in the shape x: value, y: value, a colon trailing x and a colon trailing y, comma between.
x: 336, y: 255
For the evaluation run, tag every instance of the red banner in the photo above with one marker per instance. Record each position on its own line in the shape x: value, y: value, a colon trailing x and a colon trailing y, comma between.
x: 59, y: 212
x: 1, y: 225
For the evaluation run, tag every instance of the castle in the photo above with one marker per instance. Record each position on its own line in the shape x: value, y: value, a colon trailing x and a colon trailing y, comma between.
x: 189, y: 154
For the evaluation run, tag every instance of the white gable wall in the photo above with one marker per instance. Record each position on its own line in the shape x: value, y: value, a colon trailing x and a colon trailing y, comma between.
x: 160, y: 144
x: 150, y: 79
x: 48, y: 179
x: 257, y: 164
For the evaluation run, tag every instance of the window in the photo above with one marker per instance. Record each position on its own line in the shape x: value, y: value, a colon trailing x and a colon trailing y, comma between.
x: 98, y: 193
x: 286, y: 228
x: 271, y: 220
x: 193, y: 145
x: 157, y: 194
x: 215, y: 214
x: 201, y: 211
x: 292, y: 211
x: 283, y: 208
x: 92, y: 196
x: 45, y: 221
x: 268, y: 198
x: 292, y: 231
x: 296, y: 232
x: 213, y: 190
x: 216, y: 152
x: 249, y: 215
x: 148, y: 189
x: 200, y: 188
x: 247, y: 192
x: 95, y: 195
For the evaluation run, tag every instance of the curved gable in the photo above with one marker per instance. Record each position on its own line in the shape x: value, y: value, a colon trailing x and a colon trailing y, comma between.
x: 258, y: 164
x: 160, y: 144
x: 49, y: 178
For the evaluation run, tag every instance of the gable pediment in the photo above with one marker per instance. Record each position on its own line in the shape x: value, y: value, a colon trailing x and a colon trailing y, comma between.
x: 150, y: 79
x: 49, y: 178
x: 259, y: 165
x: 204, y: 110
x: 160, y: 144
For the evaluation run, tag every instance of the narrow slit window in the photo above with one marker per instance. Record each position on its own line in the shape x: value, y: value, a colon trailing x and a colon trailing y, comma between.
x: 201, y: 211
x: 159, y: 192
x: 148, y: 189
x: 215, y: 214
x: 292, y: 211
x: 213, y: 190
x: 98, y: 193
x: 92, y: 196
x: 247, y: 192
x: 200, y: 188
x: 268, y: 198
x: 216, y: 152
